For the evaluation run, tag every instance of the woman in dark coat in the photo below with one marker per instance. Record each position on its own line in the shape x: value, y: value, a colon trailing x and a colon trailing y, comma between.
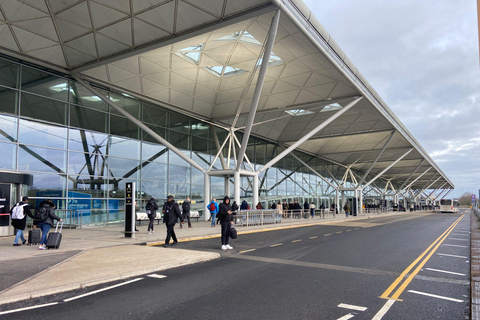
x: 225, y: 215
x: 151, y: 207
x: 48, y: 223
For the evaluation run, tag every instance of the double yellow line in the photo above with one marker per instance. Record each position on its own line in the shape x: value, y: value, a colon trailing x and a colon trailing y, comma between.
x: 427, y: 254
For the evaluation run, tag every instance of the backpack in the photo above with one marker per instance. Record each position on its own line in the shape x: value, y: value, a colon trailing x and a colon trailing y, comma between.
x: 17, y: 211
x: 41, y: 214
x: 211, y: 207
x: 147, y: 208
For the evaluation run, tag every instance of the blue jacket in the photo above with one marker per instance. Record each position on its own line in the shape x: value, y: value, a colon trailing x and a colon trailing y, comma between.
x: 216, y: 207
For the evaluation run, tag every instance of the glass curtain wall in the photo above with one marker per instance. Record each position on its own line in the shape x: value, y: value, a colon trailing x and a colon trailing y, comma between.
x: 81, y: 152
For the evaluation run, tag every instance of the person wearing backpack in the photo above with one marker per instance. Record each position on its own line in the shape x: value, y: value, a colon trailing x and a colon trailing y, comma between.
x: 151, y: 208
x: 19, y: 219
x: 45, y: 225
x: 213, y: 208
x: 186, y: 211
x: 346, y: 208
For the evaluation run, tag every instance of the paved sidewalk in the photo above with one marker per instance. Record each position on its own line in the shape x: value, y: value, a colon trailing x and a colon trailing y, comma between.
x: 95, y: 255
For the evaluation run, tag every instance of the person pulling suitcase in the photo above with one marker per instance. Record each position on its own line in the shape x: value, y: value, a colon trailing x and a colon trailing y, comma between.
x: 49, y: 208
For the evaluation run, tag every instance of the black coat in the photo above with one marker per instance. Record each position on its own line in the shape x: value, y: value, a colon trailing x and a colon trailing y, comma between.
x: 21, y: 224
x: 171, y: 213
x: 223, y: 209
x: 186, y: 208
x: 152, y: 206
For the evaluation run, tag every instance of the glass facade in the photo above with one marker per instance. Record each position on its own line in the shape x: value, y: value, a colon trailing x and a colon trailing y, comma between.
x: 81, y: 153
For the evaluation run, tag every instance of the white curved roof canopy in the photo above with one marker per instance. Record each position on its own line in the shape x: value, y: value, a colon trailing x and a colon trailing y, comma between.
x: 201, y: 57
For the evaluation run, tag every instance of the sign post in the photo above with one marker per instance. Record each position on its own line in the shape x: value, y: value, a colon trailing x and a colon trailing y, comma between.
x: 130, y: 210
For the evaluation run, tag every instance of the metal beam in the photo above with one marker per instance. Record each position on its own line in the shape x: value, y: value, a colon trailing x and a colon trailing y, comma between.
x: 413, y: 172
x: 310, y: 134
x: 376, y: 159
x: 313, y: 170
x: 258, y: 87
x: 387, y: 168
x: 139, y: 124
x: 446, y: 194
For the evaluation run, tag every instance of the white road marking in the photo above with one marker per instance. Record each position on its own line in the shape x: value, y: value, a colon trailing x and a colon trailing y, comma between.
x: 297, y: 240
x: 346, y: 317
x: 435, y: 296
x: 452, y: 255
x: 453, y: 245
x: 443, y: 271
x: 28, y: 308
x: 352, y: 307
x: 459, y: 239
x: 157, y: 276
x: 384, y: 310
x: 101, y: 290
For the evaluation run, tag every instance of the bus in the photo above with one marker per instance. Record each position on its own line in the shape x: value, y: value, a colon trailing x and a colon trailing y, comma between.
x: 449, y: 205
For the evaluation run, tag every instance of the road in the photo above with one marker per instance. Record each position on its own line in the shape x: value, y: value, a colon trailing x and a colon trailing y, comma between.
x: 413, y: 266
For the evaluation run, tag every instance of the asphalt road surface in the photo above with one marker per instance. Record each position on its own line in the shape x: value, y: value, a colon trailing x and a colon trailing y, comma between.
x: 413, y: 266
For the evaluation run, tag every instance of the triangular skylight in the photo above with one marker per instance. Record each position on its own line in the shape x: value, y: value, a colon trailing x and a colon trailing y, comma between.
x: 331, y: 107
x: 193, y: 54
x: 298, y: 112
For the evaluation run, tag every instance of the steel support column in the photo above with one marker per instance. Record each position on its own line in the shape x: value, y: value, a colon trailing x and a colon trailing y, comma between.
x: 206, y: 195
x: 255, y: 190
x: 258, y: 87
x: 236, y: 193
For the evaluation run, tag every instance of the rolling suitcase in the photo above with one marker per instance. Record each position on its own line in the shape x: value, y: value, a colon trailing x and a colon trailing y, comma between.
x: 34, y: 236
x: 54, y: 238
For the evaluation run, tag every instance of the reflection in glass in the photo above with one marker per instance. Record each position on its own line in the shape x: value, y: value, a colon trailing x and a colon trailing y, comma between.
x: 8, y: 100
x: 82, y: 97
x: 179, y: 122
x: 47, y: 185
x: 87, y: 164
x: 155, y: 115
x: 42, y: 134
x: 162, y: 132
x: 197, y: 176
x: 87, y: 141
x: 155, y: 189
x: 8, y: 160
x: 94, y: 187
x: 9, y: 73
x: 179, y: 174
x: 8, y: 128
x: 88, y: 119
x: 179, y: 190
x: 154, y: 171
x: 130, y: 105
x: 41, y: 159
x: 173, y: 158
x: 126, y: 148
x: 179, y: 140
x: 154, y: 152
x: 124, y: 168
x: 48, y: 86
x: 43, y: 109
x: 121, y: 126
x: 197, y: 191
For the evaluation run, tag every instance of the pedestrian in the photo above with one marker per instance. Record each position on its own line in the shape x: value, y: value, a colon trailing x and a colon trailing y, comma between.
x: 137, y: 209
x: 346, y: 207
x: 411, y: 207
x: 259, y: 206
x: 48, y: 223
x: 186, y: 211
x: 234, y: 206
x: 171, y: 214
x: 312, y: 210
x: 225, y: 215
x: 213, y: 208
x: 298, y: 209
x: 274, y: 205
x: 19, y: 219
x: 244, y: 205
x: 151, y: 207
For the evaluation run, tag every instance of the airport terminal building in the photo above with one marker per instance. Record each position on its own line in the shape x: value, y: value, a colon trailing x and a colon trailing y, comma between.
x: 199, y: 99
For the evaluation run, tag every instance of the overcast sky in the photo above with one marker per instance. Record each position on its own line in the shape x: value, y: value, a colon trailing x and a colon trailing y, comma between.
x: 422, y: 57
